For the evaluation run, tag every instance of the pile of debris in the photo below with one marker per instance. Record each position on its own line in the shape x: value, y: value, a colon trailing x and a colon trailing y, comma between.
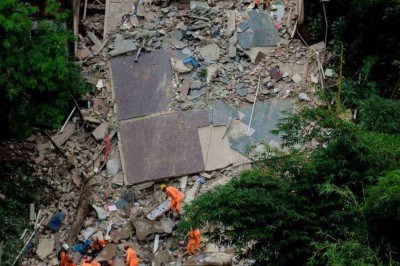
x: 217, y: 58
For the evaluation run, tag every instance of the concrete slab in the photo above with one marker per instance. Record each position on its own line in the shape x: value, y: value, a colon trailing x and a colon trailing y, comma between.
x: 210, y: 52
x: 140, y: 86
x: 222, y: 114
x: 265, y: 118
x: 215, y: 149
x: 162, y: 146
x: 254, y: 52
x: 123, y: 46
x: 145, y: 227
x: 210, y: 259
x: 107, y: 253
x: 159, y: 210
x: 231, y: 24
x: 115, y: 9
x: 257, y: 31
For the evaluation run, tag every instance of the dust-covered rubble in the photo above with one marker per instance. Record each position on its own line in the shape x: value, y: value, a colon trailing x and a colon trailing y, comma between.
x: 207, y: 35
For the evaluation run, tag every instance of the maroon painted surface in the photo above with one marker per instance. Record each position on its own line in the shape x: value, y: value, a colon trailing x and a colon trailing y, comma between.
x: 164, y: 146
x: 140, y: 86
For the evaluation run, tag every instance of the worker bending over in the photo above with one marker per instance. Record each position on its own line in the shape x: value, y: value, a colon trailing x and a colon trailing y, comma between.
x: 194, y: 236
x: 63, y: 255
x: 131, y: 258
x: 97, y: 246
x: 70, y: 261
x: 88, y: 261
x: 175, y: 195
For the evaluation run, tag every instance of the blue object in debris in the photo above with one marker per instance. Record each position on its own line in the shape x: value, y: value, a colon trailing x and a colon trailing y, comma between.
x: 56, y: 221
x: 191, y: 60
x: 82, y: 247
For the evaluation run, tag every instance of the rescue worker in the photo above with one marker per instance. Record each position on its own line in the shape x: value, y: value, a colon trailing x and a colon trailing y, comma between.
x: 96, y: 246
x: 70, y: 262
x: 194, y: 236
x: 257, y: 2
x: 88, y: 261
x: 131, y: 258
x: 176, y: 197
x: 63, y: 255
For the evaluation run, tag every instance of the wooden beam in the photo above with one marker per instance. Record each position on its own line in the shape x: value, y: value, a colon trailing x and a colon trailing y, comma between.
x: 76, y: 6
x: 84, y: 10
x: 81, y: 213
x: 107, y: 10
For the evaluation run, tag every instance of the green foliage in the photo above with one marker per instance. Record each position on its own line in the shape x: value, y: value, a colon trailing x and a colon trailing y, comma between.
x: 354, y: 91
x: 382, y: 209
x: 316, y: 26
x: 37, y: 74
x: 304, y: 208
x: 346, y: 253
x: 367, y: 30
x: 258, y: 212
x: 380, y: 115
x: 339, y: 204
x: 20, y: 190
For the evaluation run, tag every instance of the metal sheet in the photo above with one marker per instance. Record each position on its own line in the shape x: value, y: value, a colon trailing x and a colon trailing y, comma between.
x: 140, y: 86
x: 162, y: 146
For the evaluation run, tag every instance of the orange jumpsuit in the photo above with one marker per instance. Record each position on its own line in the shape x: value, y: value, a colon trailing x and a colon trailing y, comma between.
x: 92, y: 263
x: 265, y: 2
x: 176, y: 198
x: 70, y: 263
x: 131, y: 258
x: 85, y: 263
x: 98, y: 245
x: 194, y: 241
x: 63, y: 258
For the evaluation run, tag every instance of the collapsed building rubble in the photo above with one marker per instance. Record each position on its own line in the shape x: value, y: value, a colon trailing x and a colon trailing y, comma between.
x: 214, y: 67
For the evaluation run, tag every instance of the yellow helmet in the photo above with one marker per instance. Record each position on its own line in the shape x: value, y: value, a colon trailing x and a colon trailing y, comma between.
x: 163, y: 186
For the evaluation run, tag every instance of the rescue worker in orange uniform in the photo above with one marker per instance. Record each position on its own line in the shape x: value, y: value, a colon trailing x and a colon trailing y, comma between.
x: 96, y: 246
x: 63, y: 255
x: 131, y: 258
x: 88, y: 261
x: 257, y: 2
x: 70, y: 262
x: 176, y: 197
x: 194, y: 236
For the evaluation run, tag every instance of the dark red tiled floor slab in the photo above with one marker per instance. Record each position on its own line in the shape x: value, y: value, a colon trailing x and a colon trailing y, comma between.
x: 140, y: 86
x: 163, y: 146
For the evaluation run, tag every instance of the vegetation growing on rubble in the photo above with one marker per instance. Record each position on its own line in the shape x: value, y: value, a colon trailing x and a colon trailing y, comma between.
x: 37, y: 72
x: 368, y: 30
x: 19, y: 190
x: 339, y: 204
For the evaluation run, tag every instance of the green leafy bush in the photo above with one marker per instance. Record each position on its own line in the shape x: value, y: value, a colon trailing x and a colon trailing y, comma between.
x: 380, y: 115
x: 37, y: 73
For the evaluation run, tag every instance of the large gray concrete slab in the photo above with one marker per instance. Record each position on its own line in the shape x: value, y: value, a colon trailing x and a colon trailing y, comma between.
x: 222, y: 114
x: 140, y: 86
x: 257, y: 31
x: 265, y: 118
x: 157, y: 147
